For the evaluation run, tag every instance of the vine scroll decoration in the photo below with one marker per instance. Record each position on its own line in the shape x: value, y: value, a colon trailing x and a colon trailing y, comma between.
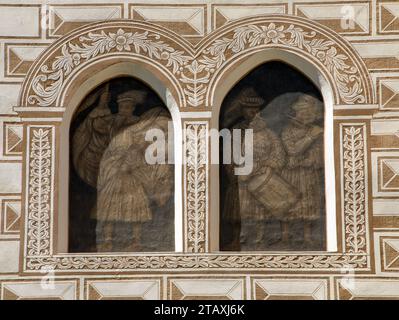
x: 247, y: 37
x: 93, y: 45
x: 196, y: 180
x: 39, y: 195
x: 354, y: 180
x: 198, y: 262
x: 195, y: 71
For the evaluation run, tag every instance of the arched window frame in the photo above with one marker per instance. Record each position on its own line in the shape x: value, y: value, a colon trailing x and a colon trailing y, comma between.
x: 115, y: 70
x: 42, y: 104
x: 226, y: 83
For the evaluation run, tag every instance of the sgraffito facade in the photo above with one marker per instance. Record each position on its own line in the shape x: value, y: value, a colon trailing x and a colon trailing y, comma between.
x: 192, y: 53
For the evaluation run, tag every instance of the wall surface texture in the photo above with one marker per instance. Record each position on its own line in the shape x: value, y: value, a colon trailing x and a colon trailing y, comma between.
x: 49, y: 52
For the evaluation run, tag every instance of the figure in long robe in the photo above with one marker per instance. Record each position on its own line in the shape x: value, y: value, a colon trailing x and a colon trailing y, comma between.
x: 261, y: 194
x: 110, y: 156
x: 303, y: 141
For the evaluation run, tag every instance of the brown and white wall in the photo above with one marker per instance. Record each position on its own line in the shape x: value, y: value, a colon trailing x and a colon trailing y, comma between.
x: 28, y: 28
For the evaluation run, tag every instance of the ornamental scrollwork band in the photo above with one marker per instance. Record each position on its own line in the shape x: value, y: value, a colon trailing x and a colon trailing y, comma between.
x: 40, y: 194
x: 354, y: 181
x: 192, y: 68
x: 290, y: 36
x: 196, y: 171
x: 92, y: 45
x: 198, y: 262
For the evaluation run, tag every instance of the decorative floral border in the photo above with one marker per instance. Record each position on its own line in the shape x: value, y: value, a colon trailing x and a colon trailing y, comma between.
x: 353, y: 144
x: 39, y: 191
x: 196, y: 186
x: 48, y: 83
x: 319, y: 47
x: 192, y: 68
x: 198, y: 262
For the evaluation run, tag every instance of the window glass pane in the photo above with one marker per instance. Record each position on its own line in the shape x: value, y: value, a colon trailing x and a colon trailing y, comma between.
x: 118, y: 199
x: 280, y: 204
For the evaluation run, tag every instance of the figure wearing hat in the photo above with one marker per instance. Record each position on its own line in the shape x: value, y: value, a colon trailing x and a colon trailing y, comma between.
x: 250, y: 197
x: 109, y: 154
x: 303, y: 141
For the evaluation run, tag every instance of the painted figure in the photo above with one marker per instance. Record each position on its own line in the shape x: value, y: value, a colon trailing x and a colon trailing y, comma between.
x: 109, y: 154
x: 261, y: 194
x: 303, y: 142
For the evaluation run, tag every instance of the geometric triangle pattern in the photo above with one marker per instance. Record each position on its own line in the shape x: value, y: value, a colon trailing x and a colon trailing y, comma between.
x: 389, y: 94
x: 290, y: 289
x: 206, y: 289
x: 353, y: 19
x: 336, y: 24
x: 379, y: 55
x: 344, y: 293
x: 62, y: 27
x: 10, y: 216
x: 389, y: 18
x: 222, y: 14
x: 220, y: 18
x: 129, y: 289
x: 13, y: 139
x: 177, y: 293
x: 261, y: 293
x: 356, y: 288
x: 19, y: 58
x: 9, y: 295
x: 35, y: 290
x: 63, y: 19
x: 389, y: 177
x: 391, y: 254
x: 94, y: 294
x: 189, y: 22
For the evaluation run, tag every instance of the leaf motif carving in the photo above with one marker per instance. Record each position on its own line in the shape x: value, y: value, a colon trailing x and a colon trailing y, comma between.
x: 354, y: 185
x: 47, y: 84
x: 38, y: 240
x: 199, y: 262
x: 196, y: 155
